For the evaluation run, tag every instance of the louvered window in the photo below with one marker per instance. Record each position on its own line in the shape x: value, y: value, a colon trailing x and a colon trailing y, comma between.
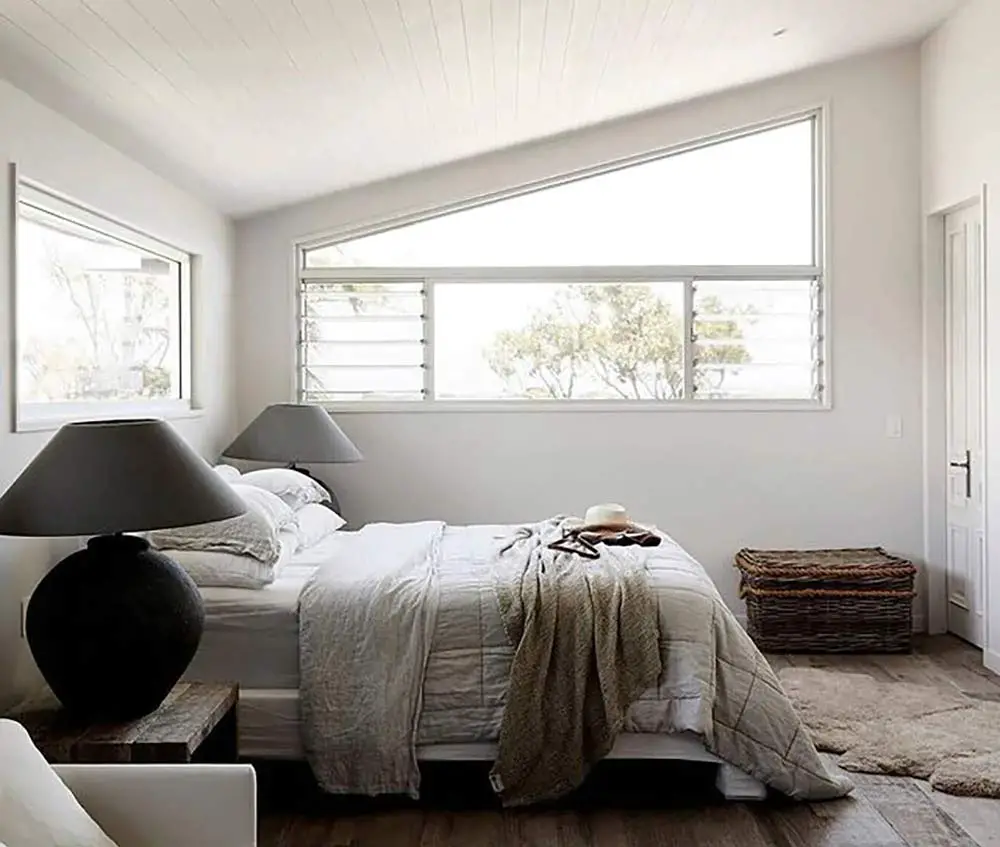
x: 757, y: 340
x: 362, y: 340
x: 691, y: 278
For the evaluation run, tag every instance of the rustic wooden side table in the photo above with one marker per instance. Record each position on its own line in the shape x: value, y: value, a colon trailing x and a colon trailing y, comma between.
x: 196, y: 723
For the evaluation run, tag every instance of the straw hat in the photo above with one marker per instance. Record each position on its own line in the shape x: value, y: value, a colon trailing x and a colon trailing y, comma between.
x: 607, y: 516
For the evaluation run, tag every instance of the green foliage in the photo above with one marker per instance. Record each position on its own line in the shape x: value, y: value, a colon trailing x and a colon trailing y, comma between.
x: 551, y: 350
x: 361, y: 297
x: 714, y: 355
x: 621, y: 339
x: 156, y: 381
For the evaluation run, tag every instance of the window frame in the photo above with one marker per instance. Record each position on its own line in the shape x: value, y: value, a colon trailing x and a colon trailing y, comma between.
x: 32, y: 417
x: 818, y: 271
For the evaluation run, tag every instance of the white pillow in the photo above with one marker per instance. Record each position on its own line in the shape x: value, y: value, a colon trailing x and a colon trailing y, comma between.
x: 315, y: 522
x: 271, y: 505
x: 228, y: 473
x: 254, y: 533
x: 295, y: 488
x: 211, y: 569
x: 36, y: 808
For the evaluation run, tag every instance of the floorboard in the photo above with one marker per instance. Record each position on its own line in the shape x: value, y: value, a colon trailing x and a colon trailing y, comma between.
x: 657, y: 805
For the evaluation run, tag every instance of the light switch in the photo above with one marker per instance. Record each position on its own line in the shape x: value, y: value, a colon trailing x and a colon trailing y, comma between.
x: 893, y: 426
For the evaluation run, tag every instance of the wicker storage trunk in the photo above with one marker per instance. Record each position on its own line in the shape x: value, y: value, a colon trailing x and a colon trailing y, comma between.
x: 854, y: 600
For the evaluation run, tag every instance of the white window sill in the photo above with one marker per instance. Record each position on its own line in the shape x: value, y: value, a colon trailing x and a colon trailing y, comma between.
x: 571, y: 406
x: 105, y: 412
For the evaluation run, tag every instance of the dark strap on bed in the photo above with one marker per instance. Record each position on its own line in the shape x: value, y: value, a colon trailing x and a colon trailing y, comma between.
x: 583, y: 542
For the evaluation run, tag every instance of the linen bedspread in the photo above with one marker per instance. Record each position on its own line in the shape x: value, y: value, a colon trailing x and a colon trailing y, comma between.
x: 412, y: 610
x: 365, y: 628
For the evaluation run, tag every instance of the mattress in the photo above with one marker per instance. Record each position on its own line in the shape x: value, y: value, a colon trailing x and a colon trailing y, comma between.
x: 252, y: 635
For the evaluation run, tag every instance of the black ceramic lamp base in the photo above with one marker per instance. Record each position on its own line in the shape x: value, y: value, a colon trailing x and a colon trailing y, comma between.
x: 334, y: 502
x: 113, y: 627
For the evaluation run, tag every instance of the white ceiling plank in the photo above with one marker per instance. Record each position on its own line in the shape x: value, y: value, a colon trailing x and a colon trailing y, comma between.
x: 532, y: 23
x: 266, y: 102
x: 165, y: 56
x: 449, y: 17
x: 24, y: 42
x: 477, y: 22
x: 406, y: 82
x: 505, y: 36
x: 122, y: 52
x: 256, y: 32
x: 582, y: 63
x: 111, y: 67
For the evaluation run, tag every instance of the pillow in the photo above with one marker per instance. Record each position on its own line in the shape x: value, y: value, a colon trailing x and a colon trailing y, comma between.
x: 277, y: 511
x: 36, y: 808
x: 211, y: 569
x: 228, y: 473
x: 315, y: 522
x: 254, y: 533
x: 295, y: 488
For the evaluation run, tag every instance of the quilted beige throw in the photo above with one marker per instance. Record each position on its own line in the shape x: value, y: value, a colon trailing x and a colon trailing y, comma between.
x: 586, y: 647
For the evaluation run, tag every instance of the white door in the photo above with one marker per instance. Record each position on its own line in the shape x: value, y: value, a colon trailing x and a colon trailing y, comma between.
x: 965, y: 389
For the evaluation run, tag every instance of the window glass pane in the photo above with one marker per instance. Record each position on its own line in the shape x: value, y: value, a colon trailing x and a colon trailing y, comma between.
x: 528, y: 341
x: 369, y: 382
x: 756, y: 340
x: 370, y: 299
x: 361, y: 340
x: 314, y: 395
x: 743, y: 201
x: 97, y: 319
x: 361, y: 329
x: 398, y: 353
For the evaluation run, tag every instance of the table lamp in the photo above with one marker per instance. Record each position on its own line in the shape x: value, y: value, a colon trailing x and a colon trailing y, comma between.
x: 293, y: 433
x: 113, y: 626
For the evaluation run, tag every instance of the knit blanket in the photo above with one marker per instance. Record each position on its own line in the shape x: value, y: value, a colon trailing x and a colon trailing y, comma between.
x: 586, y: 646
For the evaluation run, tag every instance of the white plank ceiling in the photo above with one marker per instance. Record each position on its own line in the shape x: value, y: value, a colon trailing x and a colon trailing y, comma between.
x: 257, y: 103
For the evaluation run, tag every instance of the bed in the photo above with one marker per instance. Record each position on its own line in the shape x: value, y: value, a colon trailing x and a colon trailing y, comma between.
x: 252, y: 637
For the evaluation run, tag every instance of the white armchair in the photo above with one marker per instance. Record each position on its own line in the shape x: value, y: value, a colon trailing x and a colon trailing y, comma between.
x: 169, y: 805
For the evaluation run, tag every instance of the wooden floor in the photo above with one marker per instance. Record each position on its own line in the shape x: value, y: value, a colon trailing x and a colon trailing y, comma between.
x: 656, y: 805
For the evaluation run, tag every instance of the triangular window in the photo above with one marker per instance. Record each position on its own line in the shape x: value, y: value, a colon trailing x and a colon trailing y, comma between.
x: 745, y: 200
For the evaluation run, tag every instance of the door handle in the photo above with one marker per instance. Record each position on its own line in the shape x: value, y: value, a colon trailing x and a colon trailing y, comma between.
x: 967, y: 466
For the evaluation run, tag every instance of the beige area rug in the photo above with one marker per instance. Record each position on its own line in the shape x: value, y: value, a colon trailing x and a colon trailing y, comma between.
x: 901, y: 729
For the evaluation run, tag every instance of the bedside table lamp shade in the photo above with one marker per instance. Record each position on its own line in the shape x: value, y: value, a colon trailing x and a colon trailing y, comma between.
x: 294, y: 433
x: 113, y: 626
x: 103, y: 477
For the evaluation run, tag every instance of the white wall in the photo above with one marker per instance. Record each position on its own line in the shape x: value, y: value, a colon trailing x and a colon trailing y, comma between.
x: 961, y: 153
x: 715, y: 480
x: 55, y: 152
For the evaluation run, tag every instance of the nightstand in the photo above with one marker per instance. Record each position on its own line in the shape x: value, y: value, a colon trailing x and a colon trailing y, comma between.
x: 196, y: 723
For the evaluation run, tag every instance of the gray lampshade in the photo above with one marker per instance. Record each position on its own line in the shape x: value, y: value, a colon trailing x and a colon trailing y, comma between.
x: 293, y: 432
x: 102, y: 477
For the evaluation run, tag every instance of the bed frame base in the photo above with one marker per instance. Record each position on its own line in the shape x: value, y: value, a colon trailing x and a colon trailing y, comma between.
x: 269, y: 729
x: 732, y: 783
